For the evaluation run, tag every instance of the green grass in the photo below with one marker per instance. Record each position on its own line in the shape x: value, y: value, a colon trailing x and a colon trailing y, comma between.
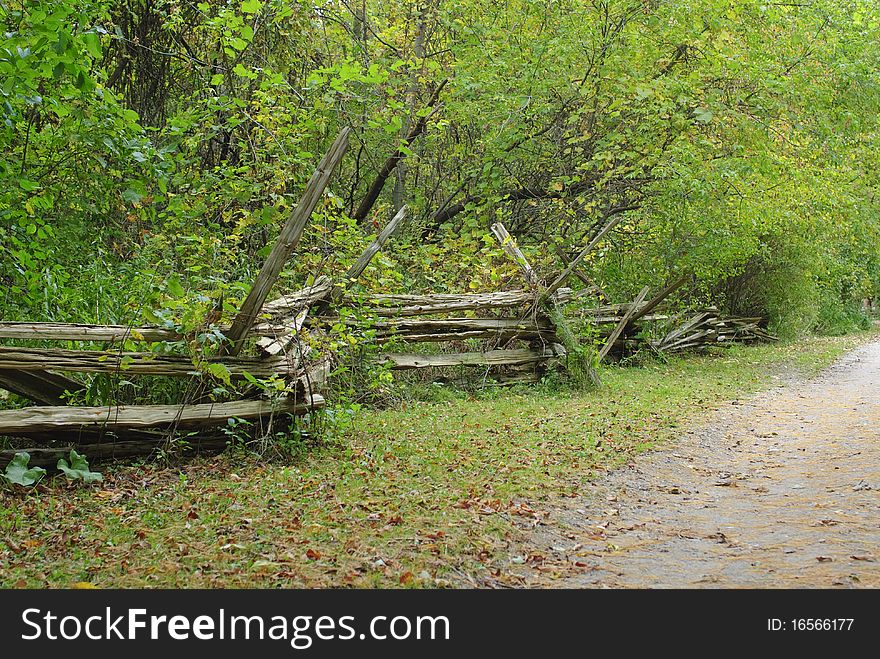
x: 426, y: 494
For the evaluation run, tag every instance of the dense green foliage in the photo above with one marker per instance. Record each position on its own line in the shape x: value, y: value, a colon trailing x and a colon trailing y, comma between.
x: 151, y: 148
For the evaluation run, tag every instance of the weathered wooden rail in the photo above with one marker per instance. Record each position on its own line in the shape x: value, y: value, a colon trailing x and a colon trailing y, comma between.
x: 41, y: 419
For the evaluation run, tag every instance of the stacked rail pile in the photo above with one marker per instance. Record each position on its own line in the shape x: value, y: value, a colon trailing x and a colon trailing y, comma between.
x: 619, y: 325
x: 42, y: 376
x: 519, y: 343
x: 708, y: 328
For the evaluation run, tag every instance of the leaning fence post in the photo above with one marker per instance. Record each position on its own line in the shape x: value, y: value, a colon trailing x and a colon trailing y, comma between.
x: 622, y: 324
x: 287, y: 242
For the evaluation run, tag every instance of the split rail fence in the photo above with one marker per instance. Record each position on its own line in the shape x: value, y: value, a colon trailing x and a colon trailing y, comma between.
x: 518, y: 338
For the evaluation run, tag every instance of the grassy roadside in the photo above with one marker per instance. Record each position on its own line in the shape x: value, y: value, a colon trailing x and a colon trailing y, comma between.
x: 428, y: 494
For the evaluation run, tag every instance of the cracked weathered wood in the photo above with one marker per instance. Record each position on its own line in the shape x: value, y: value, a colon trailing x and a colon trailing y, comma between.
x: 451, y: 329
x: 687, y: 326
x: 283, y: 334
x: 424, y: 305
x: 364, y: 259
x: 708, y: 328
x: 83, y: 332
x: 141, y: 363
x: 38, y: 419
x: 508, y: 244
x: 38, y: 331
x: 652, y: 304
x: 293, y: 303
x: 488, y: 358
x: 315, y: 377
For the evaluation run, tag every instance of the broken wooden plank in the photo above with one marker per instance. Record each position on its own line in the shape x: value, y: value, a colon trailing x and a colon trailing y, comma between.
x: 464, y: 324
x: 609, y: 310
x: 622, y: 324
x: 407, y: 329
x: 489, y: 358
x: 83, y: 332
x: 685, y: 342
x: 605, y: 320
x: 38, y: 331
x: 688, y: 325
x: 138, y: 363
x: 42, y: 387
x: 315, y: 377
x: 284, y: 333
x: 37, y: 419
x: 508, y: 244
x: 498, y: 331
x: 295, y: 302
x: 284, y: 246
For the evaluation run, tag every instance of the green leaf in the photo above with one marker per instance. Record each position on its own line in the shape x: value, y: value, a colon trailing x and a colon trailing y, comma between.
x: 220, y: 372
x: 250, y: 378
x: 78, y: 468
x: 175, y: 288
x: 17, y: 471
x: 251, y: 6
x: 240, y: 70
x: 238, y: 44
x: 93, y: 44
x: 132, y: 196
x: 703, y: 115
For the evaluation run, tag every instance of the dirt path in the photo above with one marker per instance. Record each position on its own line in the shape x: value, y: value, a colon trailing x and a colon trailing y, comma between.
x: 781, y: 490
